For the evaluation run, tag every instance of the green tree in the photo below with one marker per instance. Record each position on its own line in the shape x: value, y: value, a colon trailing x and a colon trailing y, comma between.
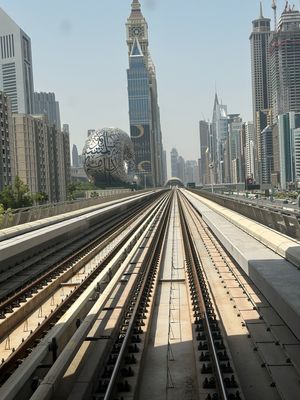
x: 40, y: 197
x: 1, y: 213
x: 72, y: 187
x: 16, y: 195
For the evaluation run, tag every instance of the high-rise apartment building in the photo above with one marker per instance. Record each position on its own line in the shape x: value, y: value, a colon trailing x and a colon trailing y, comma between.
x: 174, y: 161
x: 181, y: 168
x: 243, y: 153
x: 144, y: 115
x: 42, y: 156
x: 40, y: 126
x: 250, y: 149
x: 288, y: 123
x: 297, y: 157
x: 285, y: 61
x: 261, y: 84
x: 16, y: 78
x: 66, y: 159
x: 7, y: 165
x: 204, y: 146
x: 191, y: 171
x: 165, y: 169
x: 234, y: 147
x: 75, y: 157
x: 267, y: 165
x: 45, y: 103
x: 26, y: 150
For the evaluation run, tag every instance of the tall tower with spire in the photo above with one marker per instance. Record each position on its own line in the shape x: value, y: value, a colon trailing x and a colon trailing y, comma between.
x: 260, y: 74
x: 144, y: 113
x: 137, y: 27
x: 219, y: 131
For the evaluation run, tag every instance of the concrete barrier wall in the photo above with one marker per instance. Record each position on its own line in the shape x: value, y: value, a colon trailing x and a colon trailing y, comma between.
x: 24, y: 215
x: 286, y: 224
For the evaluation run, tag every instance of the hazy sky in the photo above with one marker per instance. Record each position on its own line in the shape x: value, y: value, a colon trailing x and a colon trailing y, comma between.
x: 80, y: 53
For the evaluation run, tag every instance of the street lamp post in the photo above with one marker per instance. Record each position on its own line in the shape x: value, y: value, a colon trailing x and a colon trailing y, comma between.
x: 211, y: 167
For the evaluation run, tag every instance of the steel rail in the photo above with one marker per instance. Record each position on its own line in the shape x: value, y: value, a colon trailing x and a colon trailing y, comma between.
x: 196, y: 215
x: 150, y: 260
x: 14, y: 298
x: 12, y: 362
x: 193, y: 258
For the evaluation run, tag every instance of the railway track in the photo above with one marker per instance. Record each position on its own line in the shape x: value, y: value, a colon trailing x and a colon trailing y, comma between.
x: 115, y: 324
x: 244, y: 310
x: 166, y: 294
x: 44, y: 288
x: 216, y: 366
x: 53, y: 261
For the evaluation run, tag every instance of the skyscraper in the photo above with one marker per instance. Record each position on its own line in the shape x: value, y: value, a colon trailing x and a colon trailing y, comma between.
x: 140, y: 115
x: 260, y: 72
x: 26, y: 150
x: 288, y: 123
x: 174, y: 160
x: 16, y: 78
x: 250, y: 149
x: 204, y: 145
x: 144, y: 114
x: 219, y: 131
x: 267, y: 165
x: 285, y: 61
x: 7, y: 142
x: 75, y: 158
x: 234, y: 148
x: 45, y: 103
x: 66, y: 159
x: 42, y: 157
x: 165, y: 169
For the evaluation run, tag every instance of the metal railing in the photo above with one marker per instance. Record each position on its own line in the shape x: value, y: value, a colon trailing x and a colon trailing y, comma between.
x: 278, y: 220
x: 28, y: 214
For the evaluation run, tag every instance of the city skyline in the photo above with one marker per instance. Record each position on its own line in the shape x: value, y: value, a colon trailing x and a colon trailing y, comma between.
x: 178, y: 45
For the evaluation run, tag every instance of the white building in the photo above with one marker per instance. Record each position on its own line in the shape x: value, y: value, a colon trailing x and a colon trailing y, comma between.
x: 297, y: 156
x: 16, y: 78
x: 250, y: 149
x: 219, y: 128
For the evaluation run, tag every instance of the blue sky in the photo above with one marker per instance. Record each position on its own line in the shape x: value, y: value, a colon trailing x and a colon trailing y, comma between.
x: 80, y: 53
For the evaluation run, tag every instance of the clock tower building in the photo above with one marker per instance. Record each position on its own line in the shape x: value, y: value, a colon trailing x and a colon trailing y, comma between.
x: 137, y: 27
x: 144, y: 114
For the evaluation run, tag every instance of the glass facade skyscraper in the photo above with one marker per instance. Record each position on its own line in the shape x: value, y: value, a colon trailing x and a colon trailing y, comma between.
x: 144, y: 114
x: 140, y: 114
x: 261, y: 84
